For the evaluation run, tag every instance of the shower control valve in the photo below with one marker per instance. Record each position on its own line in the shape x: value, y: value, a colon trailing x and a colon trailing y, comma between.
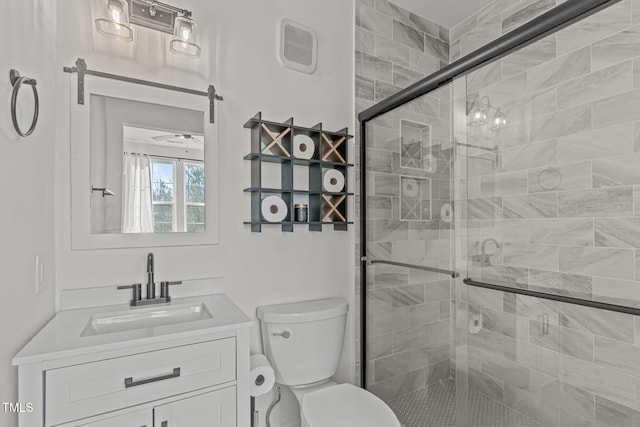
x: 284, y: 334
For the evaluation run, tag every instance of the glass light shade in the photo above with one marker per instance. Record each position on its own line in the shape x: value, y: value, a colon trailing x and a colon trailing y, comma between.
x: 499, y: 121
x: 114, y: 20
x: 185, y: 38
x: 478, y: 117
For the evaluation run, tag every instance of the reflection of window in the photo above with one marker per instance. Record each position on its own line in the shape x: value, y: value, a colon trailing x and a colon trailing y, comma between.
x: 194, y: 196
x: 163, y: 191
x: 177, y: 207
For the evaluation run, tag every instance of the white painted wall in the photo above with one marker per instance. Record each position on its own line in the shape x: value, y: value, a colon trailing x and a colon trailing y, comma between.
x: 27, y: 29
x: 240, y: 45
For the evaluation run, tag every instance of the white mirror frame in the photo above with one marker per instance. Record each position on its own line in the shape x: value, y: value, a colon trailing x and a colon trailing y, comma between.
x: 81, y: 236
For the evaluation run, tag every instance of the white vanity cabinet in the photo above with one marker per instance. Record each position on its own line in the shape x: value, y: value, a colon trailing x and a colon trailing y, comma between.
x: 80, y: 391
x: 210, y: 409
x: 214, y: 409
x: 138, y: 419
x: 192, y: 374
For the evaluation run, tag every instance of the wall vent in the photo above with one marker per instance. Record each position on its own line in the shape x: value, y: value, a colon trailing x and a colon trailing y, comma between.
x: 298, y: 46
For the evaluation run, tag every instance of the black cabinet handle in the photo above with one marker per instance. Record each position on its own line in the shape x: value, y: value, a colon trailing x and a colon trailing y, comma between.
x: 129, y: 382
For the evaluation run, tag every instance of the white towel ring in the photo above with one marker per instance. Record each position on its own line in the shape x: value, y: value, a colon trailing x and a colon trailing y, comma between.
x: 17, y: 81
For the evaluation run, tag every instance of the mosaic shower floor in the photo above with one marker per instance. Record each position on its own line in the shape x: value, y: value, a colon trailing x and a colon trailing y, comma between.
x: 435, y: 406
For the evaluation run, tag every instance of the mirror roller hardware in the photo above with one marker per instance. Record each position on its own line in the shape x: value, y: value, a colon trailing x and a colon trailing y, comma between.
x: 81, y: 67
x: 213, y: 97
x: 82, y: 71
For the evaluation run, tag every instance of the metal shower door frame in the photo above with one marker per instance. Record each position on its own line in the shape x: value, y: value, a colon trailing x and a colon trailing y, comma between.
x: 548, y: 23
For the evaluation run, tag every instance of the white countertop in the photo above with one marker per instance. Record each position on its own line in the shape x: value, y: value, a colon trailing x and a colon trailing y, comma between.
x: 61, y: 337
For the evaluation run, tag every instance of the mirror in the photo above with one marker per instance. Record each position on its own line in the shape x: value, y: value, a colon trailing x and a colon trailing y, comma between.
x: 147, y: 167
x: 144, y: 166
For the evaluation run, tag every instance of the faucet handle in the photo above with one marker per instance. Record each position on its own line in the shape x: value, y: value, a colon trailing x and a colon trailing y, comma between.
x: 164, y: 289
x: 137, y: 291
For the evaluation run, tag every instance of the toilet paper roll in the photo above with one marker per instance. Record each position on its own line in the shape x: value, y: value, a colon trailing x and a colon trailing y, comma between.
x: 446, y: 212
x: 261, y: 375
x: 410, y: 187
x: 333, y: 181
x: 303, y: 147
x: 274, y: 209
x: 475, y: 323
x: 430, y: 163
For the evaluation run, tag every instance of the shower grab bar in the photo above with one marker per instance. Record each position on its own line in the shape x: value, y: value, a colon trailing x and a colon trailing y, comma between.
x: 453, y: 274
x: 555, y: 297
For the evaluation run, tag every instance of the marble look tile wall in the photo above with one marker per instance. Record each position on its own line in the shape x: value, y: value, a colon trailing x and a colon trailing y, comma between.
x: 409, y: 310
x: 409, y: 163
x: 559, y: 189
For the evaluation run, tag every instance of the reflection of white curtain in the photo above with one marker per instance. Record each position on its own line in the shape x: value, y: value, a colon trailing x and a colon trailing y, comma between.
x: 137, y: 211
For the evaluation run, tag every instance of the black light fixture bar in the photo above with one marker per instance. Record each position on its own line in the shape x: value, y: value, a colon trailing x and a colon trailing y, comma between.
x: 164, y: 6
x: 155, y: 15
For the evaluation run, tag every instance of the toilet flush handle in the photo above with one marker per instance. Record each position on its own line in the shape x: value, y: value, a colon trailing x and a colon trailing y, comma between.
x: 284, y: 334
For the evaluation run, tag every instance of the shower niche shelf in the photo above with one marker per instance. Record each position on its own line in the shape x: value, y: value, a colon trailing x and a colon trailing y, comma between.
x: 275, y: 142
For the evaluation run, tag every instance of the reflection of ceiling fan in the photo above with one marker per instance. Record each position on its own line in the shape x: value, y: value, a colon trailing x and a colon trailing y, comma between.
x: 178, y: 138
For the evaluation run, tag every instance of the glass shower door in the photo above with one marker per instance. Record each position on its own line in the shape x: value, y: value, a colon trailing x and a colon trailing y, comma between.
x: 409, y: 211
x: 546, y: 188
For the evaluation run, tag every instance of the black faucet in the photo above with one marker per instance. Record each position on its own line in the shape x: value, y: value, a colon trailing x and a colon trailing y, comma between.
x: 164, y: 297
x: 151, y: 286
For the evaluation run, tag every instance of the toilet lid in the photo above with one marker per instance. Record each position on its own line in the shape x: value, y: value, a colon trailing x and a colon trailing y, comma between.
x: 346, y: 405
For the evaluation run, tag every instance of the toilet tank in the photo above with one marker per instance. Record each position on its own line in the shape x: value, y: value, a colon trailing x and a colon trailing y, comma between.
x: 303, y: 341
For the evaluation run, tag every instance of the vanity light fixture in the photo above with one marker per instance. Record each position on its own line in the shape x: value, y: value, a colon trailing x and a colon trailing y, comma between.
x: 479, y: 111
x: 116, y: 16
x: 114, y: 20
x: 499, y: 120
x: 185, y: 37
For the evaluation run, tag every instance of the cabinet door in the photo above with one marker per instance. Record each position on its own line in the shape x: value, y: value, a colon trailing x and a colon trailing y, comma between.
x: 134, y: 419
x: 213, y: 409
x: 84, y: 390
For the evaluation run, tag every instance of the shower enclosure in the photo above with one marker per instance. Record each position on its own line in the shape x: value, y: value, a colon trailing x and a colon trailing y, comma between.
x: 500, y: 230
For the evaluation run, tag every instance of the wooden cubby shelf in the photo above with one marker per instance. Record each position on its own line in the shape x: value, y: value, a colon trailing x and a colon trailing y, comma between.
x: 275, y: 142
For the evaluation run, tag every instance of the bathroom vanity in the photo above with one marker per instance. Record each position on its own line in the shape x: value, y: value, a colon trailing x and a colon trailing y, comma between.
x: 183, y: 363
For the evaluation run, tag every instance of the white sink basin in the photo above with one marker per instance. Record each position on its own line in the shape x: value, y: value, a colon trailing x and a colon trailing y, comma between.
x: 148, y: 317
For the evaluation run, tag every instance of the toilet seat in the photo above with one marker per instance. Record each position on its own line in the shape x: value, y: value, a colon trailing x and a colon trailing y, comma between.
x: 345, y: 405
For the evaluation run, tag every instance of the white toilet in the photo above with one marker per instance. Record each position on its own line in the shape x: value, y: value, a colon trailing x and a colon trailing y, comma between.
x: 303, y: 342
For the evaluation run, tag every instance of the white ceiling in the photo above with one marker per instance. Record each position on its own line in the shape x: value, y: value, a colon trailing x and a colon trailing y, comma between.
x: 145, y: 136
x: 443, y: 12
